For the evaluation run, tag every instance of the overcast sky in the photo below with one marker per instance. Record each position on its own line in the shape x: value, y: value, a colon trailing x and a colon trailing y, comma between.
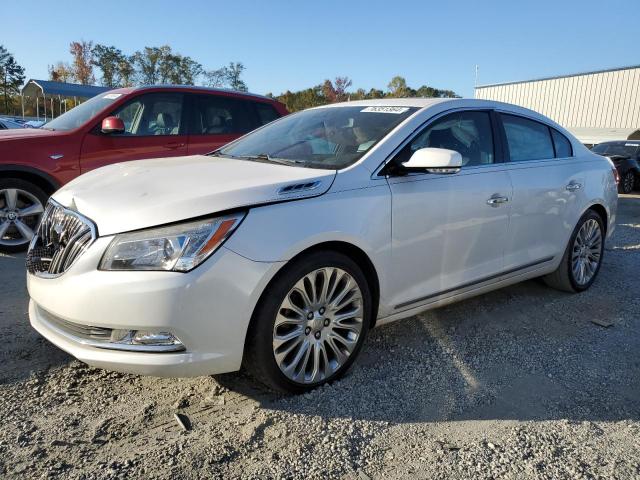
x: 297, y: 44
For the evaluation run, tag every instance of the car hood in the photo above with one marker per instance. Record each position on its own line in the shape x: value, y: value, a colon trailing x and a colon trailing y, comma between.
x: 22, y: 133
x: 146, y: 193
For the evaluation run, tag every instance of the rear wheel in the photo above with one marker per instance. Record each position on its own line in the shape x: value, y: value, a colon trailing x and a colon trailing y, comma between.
x: 583, y: 257
x: 21, y: 207
x: 311, y: 323
x: 627, y: 182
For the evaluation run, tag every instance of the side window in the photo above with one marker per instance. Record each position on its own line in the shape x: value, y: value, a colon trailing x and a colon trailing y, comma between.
x: 562, y: 144
x: 527, y: 139
x: 218, y: 115
x: 152, y: 114
x: 468, y: 133
x: 266, y: 113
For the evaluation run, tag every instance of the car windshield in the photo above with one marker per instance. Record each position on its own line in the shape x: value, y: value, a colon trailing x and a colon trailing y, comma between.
x: 622, y: 149
x: 329, y: 138
x: 78, y: 116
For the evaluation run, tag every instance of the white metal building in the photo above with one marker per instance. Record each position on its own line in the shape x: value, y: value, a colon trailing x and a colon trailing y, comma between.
x: 594, y: 106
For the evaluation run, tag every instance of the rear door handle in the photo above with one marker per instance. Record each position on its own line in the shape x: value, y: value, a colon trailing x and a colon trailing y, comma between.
x: 497, y: 200
x: 174, y: 145
x: 573, y: 186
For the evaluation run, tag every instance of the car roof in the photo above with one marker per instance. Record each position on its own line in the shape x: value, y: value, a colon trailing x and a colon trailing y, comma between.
x: 618, y: 142
x: 193, y: 88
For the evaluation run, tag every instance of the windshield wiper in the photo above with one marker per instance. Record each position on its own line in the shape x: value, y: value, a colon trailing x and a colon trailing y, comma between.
x: 265, y: 157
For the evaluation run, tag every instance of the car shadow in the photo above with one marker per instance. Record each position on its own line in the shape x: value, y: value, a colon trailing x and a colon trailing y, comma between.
x: 24, y: 351
x: 525, y: 352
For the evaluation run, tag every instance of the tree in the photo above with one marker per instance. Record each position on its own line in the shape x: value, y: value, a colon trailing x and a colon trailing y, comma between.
x: 109, y: 60
x: 216, y: 78
x: 82, y: 67
x: 234, y: 70
x: 398, y: 87
x: 126, y: 71
x: 340, y: 87
x: 161, y: 65
x: 147, y: 62
x: 60, y: 72
x: 11, y: 76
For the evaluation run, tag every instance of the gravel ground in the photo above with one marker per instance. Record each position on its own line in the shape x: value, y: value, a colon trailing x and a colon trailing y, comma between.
x: 518, y: 383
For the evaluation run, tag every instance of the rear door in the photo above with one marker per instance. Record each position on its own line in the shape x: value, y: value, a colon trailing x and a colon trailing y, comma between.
x: 449, y: 230
x: 154, y: 127
x: 215, y: 120
x: 548, y: 186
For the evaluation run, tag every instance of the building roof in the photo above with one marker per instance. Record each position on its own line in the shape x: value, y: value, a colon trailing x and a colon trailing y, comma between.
x: 36, y: 88
x: 558, y: 76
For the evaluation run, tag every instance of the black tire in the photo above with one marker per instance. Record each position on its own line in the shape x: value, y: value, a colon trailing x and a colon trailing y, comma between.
x: 30, y: 188
x: 627, y: 182
x: 259, y: 358
x: 563, y: 277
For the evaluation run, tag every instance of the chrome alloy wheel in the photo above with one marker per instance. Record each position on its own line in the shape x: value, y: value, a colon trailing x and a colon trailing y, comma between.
x: 20, y: 212
x: 628, y: 182
x: 587, y: 252
x: 318, y: 325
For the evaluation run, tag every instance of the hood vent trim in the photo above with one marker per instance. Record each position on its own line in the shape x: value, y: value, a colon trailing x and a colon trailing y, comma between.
x: 298, y: 187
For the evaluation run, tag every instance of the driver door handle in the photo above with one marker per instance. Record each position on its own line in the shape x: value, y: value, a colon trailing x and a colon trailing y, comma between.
x: 573, y: 186
x: 497, y: 200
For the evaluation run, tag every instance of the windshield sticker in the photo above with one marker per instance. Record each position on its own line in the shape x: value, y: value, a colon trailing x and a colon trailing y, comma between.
x: 112, y: 96
x: 395, y: 110
x: 630, y: 144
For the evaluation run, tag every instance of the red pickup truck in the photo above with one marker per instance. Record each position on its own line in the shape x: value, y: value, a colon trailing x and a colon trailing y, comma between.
x: 119, y: 125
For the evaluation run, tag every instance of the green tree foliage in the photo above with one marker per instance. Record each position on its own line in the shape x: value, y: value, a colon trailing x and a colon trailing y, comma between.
x: 228, y: 76
x: 11, y: 76
x: 336, y: 91
x: 162, y: 65
x: 115, y: 66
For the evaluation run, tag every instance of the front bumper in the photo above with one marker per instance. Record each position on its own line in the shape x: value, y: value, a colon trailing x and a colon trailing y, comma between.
x: 208, y: 309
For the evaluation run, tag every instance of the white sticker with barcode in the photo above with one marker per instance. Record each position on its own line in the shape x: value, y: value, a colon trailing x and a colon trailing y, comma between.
x: 395, y: 110
x: 112, y: 96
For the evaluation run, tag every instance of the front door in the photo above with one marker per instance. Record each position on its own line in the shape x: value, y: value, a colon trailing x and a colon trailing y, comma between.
x: 154, y: 128
x: 449, y: 230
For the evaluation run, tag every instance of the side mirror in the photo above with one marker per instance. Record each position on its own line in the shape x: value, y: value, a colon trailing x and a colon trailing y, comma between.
x: 434, y: 160
x: 112, y: 125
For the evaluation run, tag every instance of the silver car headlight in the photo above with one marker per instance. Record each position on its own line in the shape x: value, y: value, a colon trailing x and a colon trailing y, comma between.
x: 178, y: 248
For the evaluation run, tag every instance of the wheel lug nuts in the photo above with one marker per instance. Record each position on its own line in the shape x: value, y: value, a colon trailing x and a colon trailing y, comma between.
x: 307, y: 331
x: 317, y: 335
x: 310, y: 316
x: 321, y: 311
x: 326, y: 322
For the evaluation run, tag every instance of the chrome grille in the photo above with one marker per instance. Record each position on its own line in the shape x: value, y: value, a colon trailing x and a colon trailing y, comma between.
x: 61, y: 238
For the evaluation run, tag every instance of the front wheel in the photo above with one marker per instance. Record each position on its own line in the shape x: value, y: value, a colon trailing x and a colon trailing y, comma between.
x: 310, y: 324
x: 21, y: 207
x: 583, y: 256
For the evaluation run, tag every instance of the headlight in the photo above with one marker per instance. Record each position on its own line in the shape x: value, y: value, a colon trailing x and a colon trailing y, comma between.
x: 178, y: 247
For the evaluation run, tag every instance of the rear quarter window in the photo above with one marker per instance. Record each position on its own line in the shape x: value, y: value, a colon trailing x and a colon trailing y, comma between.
x: 561, y: 144
x: 266, y: 113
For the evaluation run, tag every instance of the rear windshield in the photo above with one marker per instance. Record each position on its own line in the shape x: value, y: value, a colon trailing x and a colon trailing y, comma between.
x: 78, y: 116
x: 621, y: 149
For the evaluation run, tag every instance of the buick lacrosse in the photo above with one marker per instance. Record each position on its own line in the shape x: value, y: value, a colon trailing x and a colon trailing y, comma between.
x: 280, y: 251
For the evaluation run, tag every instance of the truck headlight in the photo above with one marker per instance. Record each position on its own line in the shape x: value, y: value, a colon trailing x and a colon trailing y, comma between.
x: 177, y: 248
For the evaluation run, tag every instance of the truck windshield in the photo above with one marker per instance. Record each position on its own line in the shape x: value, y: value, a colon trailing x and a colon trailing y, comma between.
x: 328, y: 137
x: 78, y: 116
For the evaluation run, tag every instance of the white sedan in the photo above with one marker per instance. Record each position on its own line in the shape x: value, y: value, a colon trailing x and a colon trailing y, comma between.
x: 281, y: 250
